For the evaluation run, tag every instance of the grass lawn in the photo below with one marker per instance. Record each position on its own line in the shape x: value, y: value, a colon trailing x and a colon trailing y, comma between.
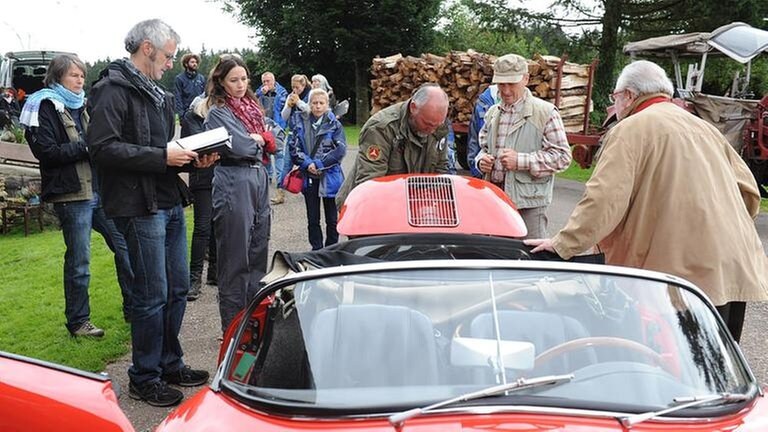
x: 353, y: 134
x: 32, y: 301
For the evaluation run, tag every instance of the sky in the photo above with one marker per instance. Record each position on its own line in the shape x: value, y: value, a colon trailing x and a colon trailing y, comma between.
x: 95, y: 29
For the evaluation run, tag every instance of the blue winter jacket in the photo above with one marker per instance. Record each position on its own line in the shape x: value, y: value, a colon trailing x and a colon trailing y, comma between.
x: 489, y: 97
x: 332, y: 143
x: 280, y: 95
x: 186, y: 88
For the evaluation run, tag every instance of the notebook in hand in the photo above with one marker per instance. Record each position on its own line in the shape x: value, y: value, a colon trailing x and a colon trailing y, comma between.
x: 206, y: 142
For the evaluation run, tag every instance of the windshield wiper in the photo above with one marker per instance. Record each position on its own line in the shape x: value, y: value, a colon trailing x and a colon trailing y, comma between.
x: 681, y: 403
x: 397, y: 420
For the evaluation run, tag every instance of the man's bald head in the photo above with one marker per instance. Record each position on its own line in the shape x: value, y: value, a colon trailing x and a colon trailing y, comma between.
x: 428, y: 108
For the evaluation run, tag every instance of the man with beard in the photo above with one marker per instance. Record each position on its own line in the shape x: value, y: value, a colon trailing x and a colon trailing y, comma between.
x: 407, y: 137
x: 189, y: 84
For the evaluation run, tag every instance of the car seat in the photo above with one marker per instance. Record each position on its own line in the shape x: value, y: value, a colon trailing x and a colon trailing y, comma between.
x: 544, y: 330
x: 372, y: 345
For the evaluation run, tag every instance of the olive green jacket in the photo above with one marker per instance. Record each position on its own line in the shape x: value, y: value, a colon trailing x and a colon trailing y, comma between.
x: 388, y: 146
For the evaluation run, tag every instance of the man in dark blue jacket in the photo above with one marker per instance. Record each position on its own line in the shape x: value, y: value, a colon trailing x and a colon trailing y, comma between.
x: 487, y: 98
x: 189, y: 84
x: 132, y: 122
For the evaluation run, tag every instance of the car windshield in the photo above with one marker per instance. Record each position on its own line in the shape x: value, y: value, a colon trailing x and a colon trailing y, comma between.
x: 385, y: 338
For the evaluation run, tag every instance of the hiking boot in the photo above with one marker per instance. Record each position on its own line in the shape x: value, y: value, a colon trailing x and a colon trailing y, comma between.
x: 186, y: 377
x: 88, y: 329
x: 279, y: 197
x: 156, y: 393
x: 194, y: 290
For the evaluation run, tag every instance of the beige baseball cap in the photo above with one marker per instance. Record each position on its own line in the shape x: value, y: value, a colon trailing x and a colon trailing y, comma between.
x: 509, y: 68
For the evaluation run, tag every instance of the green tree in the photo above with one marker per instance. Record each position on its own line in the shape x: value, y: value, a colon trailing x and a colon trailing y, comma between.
x: 338, y: 38
x: 624, y: 20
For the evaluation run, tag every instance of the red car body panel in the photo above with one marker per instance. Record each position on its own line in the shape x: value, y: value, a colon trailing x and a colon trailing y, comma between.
x: 209, y: 411
x: 382, y: 206
x: 43, y: 397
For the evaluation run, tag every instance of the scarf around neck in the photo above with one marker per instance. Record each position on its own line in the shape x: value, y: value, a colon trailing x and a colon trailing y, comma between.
x: 56, y: 93
x: 145, y: 85
x: 248, y: 112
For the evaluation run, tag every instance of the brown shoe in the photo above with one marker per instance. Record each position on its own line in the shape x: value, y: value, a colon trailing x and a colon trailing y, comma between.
x: 279, y: 197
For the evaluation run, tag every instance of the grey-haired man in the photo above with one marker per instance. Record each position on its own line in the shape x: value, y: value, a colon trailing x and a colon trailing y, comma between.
x: 522, y: 144
x: 132, y: 120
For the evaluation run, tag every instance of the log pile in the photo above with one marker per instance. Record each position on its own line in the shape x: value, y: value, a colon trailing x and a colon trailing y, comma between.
x: 465, y: 75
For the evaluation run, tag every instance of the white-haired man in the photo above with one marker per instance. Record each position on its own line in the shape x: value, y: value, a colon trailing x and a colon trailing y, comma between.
x: 670, y: 194
x: 522, y: 144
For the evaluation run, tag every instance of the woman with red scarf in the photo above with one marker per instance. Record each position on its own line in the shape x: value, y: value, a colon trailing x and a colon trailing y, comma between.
x: 241, y: 213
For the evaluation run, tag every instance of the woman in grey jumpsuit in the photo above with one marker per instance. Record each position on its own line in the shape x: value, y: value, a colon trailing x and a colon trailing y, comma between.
x: 241, y: 212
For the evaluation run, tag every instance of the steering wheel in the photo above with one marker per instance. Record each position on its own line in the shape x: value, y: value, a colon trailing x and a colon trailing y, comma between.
x: 603, y: 341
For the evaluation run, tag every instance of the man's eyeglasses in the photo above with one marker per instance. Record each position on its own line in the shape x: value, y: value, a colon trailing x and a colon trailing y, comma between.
x: 612, y: 96
x: 168, y: 56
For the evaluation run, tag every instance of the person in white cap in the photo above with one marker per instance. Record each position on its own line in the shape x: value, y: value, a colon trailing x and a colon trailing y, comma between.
x: 522, y: 144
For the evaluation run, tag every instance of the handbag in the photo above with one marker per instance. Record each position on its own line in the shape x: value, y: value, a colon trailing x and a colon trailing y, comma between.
x: 294, y: 181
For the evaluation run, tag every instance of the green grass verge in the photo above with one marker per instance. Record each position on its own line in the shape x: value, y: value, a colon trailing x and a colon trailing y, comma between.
x: 32, y: 301
x: 353, y: 135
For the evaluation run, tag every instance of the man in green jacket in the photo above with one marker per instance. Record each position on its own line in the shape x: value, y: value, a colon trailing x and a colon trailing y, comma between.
x: 407, y: 137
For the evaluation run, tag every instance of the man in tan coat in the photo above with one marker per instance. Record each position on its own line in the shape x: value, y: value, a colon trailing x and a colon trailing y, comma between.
x: 670, y: 194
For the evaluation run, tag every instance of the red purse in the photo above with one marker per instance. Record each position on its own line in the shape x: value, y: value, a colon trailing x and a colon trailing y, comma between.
x: 294, y: 181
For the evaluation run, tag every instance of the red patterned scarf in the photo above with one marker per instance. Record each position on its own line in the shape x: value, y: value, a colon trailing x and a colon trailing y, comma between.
x: 248, y: 112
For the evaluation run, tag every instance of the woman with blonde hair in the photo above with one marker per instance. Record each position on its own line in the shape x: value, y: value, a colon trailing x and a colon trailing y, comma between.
x: 298, y: 99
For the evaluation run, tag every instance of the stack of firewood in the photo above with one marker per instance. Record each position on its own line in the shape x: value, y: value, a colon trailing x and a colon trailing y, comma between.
x: 465, y: 75
x: 573, y: 88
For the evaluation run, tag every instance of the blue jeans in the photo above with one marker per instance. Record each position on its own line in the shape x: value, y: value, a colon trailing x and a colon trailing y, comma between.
x: 278, y: 164
x: 77, y: 219
x: 157, y: 246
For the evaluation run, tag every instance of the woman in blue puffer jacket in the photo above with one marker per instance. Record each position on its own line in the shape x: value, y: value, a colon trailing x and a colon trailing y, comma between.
x: 317, y: 145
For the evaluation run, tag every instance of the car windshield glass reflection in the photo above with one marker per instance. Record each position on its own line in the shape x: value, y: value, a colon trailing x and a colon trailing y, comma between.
x: 398, y: 339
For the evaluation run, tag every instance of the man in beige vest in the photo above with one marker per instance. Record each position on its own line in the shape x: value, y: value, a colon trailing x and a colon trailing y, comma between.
x: 522, y: 144
x: 670, y: 194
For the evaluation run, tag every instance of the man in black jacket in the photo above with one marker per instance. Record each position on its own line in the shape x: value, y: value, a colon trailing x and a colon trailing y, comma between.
x: 131, y: 123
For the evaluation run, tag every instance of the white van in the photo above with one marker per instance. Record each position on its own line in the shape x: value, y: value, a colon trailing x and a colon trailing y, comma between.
x: 25, y: 69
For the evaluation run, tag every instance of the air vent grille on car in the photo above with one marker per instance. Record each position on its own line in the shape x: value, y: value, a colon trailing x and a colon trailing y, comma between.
x: 431, y: 202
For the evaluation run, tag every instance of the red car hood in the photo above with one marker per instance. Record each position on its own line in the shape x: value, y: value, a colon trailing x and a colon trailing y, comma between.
x: 40, y: 396
x: 209, y: 411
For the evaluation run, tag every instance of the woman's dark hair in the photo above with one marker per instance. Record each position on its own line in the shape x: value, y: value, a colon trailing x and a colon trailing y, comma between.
x: 59, y: 66
x: 217, y: 95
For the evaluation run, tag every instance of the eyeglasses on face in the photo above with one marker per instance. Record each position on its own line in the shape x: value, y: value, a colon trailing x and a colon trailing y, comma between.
x: 612, y: 96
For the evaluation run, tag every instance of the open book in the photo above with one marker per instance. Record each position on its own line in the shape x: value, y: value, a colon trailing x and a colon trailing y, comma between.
x: 206, y: 142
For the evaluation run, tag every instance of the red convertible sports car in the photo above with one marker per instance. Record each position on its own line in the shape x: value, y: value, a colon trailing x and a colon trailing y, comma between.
x: 428, y: 328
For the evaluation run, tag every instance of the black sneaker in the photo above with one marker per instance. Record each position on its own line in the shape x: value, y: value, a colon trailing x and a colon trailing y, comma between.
x: 155, y: 393
x: 194, y: 290
x: 186, y: 377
